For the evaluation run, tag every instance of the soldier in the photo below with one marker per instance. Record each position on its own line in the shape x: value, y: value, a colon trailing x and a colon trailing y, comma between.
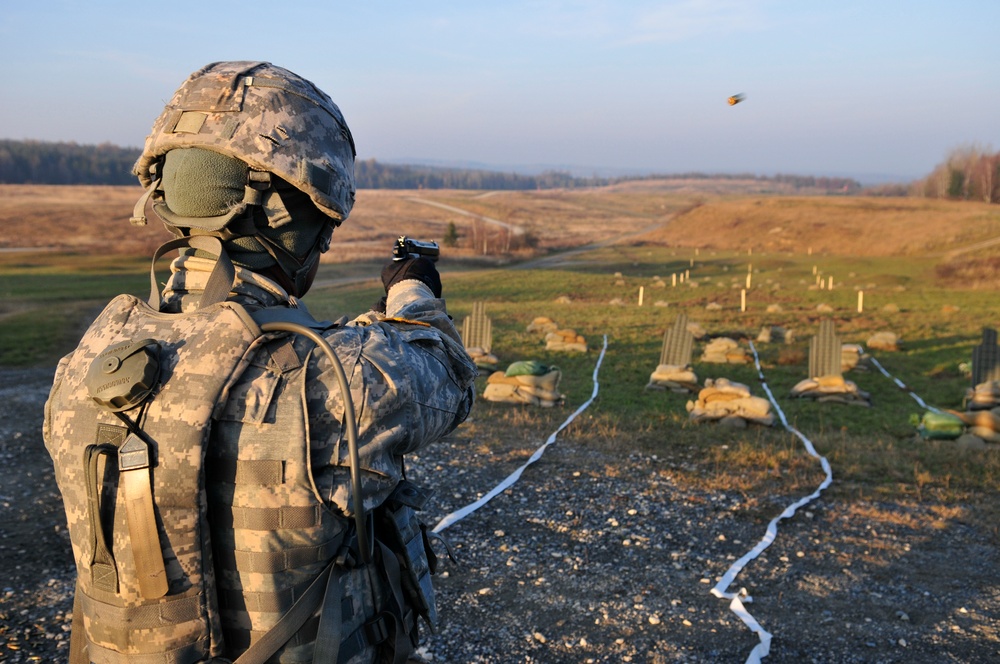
x: 216, y: 512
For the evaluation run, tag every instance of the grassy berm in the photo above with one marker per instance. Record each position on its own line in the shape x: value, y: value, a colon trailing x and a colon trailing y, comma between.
x: 607, y: 547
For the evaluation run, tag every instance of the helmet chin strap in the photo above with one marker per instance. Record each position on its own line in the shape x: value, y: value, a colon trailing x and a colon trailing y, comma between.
x: 298, y: 270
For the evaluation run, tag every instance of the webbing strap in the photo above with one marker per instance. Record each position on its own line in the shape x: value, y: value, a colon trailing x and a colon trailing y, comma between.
x: 290, y: 623
x: 77, y: 639
x: 404, y: 621
x: 260, y: 602
x: 145, y: 616
x: 241, y: 639
x: 151, y: 573
x: 220, y: 281
x: 191, y: 652
x: 103, y: 572
x: 262, y: 472
x: 268, y: 518
x: 272, y: 562
x: 143, y: 633
x: 327, y: 647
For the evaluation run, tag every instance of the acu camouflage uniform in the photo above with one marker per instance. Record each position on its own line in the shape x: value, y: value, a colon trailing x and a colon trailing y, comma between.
x: 246, y: 469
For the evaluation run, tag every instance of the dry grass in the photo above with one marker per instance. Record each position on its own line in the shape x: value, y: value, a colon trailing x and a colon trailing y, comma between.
x: 726, y: 215
x: 849, y: 226
x: 83, y: 218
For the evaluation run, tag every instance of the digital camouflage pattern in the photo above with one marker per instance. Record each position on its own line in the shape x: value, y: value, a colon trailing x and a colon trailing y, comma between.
x: 263, y: 416
x: 197, y: 366
x: 267, y: 116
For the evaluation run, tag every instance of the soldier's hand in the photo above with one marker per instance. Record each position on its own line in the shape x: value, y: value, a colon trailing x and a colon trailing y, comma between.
x: 422, y: 269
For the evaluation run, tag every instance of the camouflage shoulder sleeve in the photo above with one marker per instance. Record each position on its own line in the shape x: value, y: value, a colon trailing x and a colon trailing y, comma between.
x: 411, y: 384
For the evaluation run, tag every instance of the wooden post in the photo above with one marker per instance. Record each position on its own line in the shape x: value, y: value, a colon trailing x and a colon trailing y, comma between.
x: 748, y: 280
x: 640, y: 294
x: 743, y: 299
x: 829, y: 282
x: 674, y: 279
x: 687, y: 275
x: 861, y: 301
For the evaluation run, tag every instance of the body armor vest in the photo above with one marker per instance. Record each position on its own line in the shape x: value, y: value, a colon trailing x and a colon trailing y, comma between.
x: 184, y: 465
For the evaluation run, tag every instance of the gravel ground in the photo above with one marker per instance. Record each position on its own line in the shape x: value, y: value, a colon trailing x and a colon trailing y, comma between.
x: 596, y: 558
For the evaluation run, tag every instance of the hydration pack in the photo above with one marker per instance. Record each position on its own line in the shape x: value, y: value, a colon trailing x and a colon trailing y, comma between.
x: 197, y: 530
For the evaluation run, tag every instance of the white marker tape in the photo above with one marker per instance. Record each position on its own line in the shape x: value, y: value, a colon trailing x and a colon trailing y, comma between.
x: 460, y: 514
x: 903, y: 387
x: 741, y: 598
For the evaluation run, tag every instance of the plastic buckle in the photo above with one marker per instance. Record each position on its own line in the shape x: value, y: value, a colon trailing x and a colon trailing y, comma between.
x: 133, y: 454
x: 377, y: 630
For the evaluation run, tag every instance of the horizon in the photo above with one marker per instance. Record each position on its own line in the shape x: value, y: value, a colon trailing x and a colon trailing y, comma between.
x: 878, y: 93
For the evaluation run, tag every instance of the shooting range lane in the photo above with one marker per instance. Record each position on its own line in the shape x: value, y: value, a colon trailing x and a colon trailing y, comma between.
x: 460, y: 514
x: 739, y: 599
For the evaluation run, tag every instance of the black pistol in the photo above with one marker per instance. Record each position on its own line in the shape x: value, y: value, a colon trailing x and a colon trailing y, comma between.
x: 409, y: 248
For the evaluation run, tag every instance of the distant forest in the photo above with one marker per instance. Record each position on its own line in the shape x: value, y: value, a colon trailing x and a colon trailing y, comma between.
x: 967, y: 173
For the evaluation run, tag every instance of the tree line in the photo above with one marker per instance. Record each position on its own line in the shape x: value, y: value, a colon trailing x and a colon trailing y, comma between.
x: 968, y: 173
x: 41, y: 162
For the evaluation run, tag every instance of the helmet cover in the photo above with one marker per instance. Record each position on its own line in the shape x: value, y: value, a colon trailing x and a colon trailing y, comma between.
x: 266, y: 116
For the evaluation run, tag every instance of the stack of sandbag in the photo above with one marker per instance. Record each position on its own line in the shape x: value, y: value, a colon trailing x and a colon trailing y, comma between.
x: 673, y: 377
x: 887, y: 341
x: 483, y: 359
x: 696, y: 330
x: 775, y: 334
x: 971, y: 428
x: 542, y: 325
x: 525, y: 382
x: 851, y: 356
x: 723, y: 350
x: 983, y: 424
x: 730, y: 403
x: 937, y: 425
x: 984, y: 396
x: 833, y: 389
x: 565, y: 340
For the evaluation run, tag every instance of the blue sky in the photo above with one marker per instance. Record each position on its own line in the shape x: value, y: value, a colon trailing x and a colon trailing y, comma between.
x: 863, y: 88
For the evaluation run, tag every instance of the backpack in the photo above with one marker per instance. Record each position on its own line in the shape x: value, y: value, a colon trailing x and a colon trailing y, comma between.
x: 196, y: 531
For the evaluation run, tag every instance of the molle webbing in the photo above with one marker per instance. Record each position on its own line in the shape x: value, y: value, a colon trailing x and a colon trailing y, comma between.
x: 261, y: 472
x: 145, y: 631
x: 242, y: 639
x: 269, y: 518
x: 272, y: 534
x: 273, y: 562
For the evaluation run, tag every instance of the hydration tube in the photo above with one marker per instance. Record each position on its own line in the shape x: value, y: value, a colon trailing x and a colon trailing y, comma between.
x: 350, y: 425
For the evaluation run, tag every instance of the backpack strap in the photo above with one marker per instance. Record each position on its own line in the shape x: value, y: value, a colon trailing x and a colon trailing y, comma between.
x: 290, y: 623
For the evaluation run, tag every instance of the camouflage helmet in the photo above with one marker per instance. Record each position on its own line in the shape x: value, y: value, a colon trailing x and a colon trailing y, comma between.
x: 270, y: 118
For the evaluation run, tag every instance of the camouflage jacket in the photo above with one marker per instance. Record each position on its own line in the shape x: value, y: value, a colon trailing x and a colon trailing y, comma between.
x: 411, y: 380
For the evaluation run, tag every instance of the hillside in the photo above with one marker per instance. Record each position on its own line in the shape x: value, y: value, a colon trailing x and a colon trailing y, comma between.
x: 726, y: 215
x: 855, y: 226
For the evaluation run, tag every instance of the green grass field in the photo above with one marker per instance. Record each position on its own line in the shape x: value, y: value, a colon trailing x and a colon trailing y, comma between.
x: 48, y: 299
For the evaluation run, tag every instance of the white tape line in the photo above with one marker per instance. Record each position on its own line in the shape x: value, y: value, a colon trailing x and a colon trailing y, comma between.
x: 739, y: 599
x: 903, y: 387
x: 460, y: 514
